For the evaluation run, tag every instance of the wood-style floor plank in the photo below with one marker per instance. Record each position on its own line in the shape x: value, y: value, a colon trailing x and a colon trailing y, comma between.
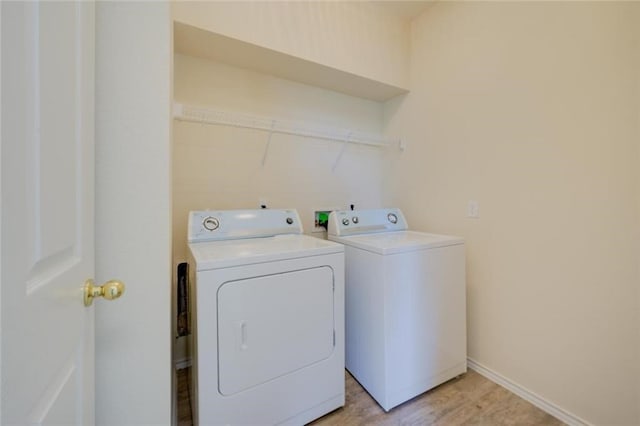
x: 184, y: 398
x: 469, y: 400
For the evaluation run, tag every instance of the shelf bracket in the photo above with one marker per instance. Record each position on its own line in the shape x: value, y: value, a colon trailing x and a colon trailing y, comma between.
x: 266, y: 148
x: 344, y: 147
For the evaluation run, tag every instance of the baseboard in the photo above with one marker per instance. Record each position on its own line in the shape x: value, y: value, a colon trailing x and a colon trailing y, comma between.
x: 527, y: 395
x: 182, y: 363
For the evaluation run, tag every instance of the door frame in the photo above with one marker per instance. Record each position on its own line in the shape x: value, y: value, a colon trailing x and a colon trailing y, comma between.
x: 0, y: 196
x: 134, y: 66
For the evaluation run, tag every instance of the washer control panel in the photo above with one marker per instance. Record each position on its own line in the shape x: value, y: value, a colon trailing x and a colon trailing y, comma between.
x: 353, y: 222
x: 207, y: 225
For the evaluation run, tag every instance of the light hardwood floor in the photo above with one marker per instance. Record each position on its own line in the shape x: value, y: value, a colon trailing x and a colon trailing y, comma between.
x: 468, y: 400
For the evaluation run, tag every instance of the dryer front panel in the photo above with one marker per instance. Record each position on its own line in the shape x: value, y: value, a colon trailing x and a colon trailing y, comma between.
x: 272, y: 325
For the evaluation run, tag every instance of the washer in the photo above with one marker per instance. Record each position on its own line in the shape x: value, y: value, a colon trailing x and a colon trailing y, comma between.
x: 405, y: 304
x: 268, y: 303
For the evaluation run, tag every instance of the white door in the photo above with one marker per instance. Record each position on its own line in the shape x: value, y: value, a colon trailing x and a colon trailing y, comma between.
x: 47, y: 212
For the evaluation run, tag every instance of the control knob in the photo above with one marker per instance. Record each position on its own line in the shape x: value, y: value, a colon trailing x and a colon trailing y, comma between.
x: 210, y: 223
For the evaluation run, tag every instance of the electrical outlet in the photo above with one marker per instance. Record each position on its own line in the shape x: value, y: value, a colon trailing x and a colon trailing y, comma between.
x: 473, y: 209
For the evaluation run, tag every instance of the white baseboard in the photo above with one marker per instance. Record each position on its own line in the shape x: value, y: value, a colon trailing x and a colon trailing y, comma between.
x: 182, y: 363
x: 527, y: 395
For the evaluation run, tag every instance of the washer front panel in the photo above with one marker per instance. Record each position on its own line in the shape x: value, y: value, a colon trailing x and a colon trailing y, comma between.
x: 405, y: 320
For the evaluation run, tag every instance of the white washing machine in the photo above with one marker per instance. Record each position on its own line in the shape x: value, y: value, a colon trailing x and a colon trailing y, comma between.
x: 405, y: 304
x: 268, y: 310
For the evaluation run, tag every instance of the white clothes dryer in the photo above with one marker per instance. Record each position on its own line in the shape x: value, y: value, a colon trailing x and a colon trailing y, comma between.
x: 268, y: 309
x: 405, y: 304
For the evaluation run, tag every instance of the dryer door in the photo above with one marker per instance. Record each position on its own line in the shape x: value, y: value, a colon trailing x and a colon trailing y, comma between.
x: 272, y: 325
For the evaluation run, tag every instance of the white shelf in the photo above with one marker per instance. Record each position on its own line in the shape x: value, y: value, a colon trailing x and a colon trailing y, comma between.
x: 272, y: 125
x: 193, y: 41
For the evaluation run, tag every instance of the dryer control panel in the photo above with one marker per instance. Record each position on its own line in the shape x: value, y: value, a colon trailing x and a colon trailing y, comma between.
x: 208, y: 225
x: 353, y: 222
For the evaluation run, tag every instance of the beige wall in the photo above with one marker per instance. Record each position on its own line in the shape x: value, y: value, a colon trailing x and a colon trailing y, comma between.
x: 220, y: 167
x: 532, y: 109
x: 637, y: 35
x: 351, y: 36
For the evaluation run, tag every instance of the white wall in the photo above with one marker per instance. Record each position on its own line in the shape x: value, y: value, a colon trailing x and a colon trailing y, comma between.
x: 532, y: 109
x: 133, y: 211
x: 351, y: 36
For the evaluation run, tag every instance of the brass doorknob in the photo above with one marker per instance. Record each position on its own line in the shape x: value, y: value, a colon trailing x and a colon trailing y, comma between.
x: 109, y: 290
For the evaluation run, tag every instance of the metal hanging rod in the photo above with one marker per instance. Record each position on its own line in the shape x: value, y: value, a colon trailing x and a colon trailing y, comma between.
x: 209, y: 116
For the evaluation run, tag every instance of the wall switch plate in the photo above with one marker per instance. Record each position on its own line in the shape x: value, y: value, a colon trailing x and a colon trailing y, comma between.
x: 473, y: 209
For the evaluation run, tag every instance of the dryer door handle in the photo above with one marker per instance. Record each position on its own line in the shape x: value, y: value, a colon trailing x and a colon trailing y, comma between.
x: 243, y: 336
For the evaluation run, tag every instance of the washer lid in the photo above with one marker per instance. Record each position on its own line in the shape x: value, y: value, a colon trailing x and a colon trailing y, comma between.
x: 397, y: 242
x: 228, y: 253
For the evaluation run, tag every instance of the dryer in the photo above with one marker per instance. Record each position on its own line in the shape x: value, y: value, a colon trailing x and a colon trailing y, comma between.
x: 268, y: 305
x: 405, y: 304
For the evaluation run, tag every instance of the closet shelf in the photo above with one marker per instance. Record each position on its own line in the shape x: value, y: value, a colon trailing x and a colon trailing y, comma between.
x: 193, y: 114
